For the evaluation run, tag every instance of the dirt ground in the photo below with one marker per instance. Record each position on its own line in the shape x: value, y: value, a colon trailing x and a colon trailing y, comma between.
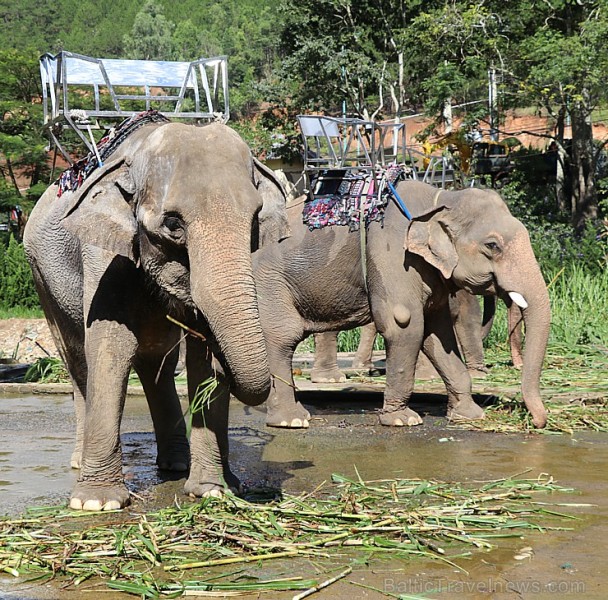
x: 26, y: 340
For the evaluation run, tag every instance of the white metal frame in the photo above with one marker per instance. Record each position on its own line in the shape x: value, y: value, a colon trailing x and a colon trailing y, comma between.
x: 145, y: 84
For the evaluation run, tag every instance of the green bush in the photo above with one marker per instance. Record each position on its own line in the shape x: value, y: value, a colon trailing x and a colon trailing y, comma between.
x: 16, y: 282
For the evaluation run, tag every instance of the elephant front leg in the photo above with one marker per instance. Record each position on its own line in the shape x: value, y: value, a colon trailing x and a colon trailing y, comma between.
x: 325, y: 369
x: 109, y: 350
x: 467, y: 320
x: 209, y: 396
x: 515, y: 326
x: 282, y: 407
x: 441, y: 348
x: 402, y: 347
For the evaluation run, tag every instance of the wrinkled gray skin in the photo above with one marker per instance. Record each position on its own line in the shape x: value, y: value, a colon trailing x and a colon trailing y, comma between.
x: 465, y: 240
x: 470, y: 326
x: 165, y: 227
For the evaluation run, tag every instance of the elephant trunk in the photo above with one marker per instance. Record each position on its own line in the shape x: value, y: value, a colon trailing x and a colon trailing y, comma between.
x: 526, y: 287
x: 537, y: 319
x: 223, y: 289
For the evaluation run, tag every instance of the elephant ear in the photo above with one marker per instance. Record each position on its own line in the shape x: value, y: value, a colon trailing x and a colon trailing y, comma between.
x: 100, y: 214
x: 430, y: 238
x: 272, y: 219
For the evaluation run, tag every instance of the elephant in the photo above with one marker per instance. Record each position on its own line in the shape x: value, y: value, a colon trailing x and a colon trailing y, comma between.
x: 155, y: 240
x: 320, y: 280
x: 470, y: 325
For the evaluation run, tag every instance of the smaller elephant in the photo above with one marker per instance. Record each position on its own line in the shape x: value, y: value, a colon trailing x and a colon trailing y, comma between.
x: 318, y: 281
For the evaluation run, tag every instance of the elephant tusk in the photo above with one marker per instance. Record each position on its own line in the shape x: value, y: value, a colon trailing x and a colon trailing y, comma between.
x: 518, y: 299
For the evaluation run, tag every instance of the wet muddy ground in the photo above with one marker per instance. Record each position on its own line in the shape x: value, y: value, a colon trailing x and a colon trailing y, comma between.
x: 36, y: 438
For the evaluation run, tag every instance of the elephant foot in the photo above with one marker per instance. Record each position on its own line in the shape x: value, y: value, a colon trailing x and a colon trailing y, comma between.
x: 95, y: 496
x: 176, y: 458
x: 404, y: 417
x: 293, y: 417
x: 204, y: 487
x: 465, y: 410
x: 478, y: 372
x: 327, y: 376
x: 362, y: 365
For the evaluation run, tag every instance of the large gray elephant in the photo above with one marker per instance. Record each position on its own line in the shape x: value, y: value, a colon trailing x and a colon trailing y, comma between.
x: 316, y: 281
x: 165, y: 227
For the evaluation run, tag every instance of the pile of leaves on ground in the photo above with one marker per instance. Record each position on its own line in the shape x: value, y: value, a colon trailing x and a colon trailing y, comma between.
x: 184, y: 550
x: 574, y: 388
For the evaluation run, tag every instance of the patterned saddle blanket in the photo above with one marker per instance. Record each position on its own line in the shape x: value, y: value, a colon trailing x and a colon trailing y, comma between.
x: 342, y: 199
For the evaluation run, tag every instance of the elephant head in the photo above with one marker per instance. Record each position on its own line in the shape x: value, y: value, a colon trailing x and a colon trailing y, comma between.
x: 472, y: 239
x: 189, y: 204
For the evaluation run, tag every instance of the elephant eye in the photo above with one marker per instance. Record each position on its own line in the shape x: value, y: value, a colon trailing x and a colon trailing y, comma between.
x: 174, y: 225
x: 492, y: 246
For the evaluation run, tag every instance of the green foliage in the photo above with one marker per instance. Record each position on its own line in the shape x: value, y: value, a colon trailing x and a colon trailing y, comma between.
x: 16, y: 282
x: 47, y: 370
x: 150, y: 38
x: 556, y: 243
x: 579, y: 302
x: 23, y: 155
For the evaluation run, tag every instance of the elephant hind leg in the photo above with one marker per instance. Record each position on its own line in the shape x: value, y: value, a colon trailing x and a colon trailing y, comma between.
x: 156, y: 373
x: 325, y: 369
x: 72, y: 355
x: 365, y: 349
x: 441, y: 348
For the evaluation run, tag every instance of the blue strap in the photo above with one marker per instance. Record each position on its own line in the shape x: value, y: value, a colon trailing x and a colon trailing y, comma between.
x: 398, y: 200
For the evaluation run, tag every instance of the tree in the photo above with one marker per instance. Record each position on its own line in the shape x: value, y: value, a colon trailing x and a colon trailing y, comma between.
x: 150, y: 37
x: 562, y: 68
x: 22, y: 146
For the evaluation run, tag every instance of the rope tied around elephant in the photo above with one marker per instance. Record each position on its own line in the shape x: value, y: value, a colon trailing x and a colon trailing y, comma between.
x: 71, y: 179
x: 349, y: 198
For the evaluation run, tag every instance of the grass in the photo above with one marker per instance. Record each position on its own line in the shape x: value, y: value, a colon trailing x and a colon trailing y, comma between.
x: 184, y: 550
x: 47, y: 369
x: 574, y: 387
x: 21, y: 313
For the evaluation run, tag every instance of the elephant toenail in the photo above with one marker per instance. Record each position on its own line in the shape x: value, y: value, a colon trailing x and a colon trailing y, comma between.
x: 213, y: 494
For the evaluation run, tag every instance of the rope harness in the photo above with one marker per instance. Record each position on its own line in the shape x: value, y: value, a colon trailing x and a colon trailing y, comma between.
x: 71, y: 179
